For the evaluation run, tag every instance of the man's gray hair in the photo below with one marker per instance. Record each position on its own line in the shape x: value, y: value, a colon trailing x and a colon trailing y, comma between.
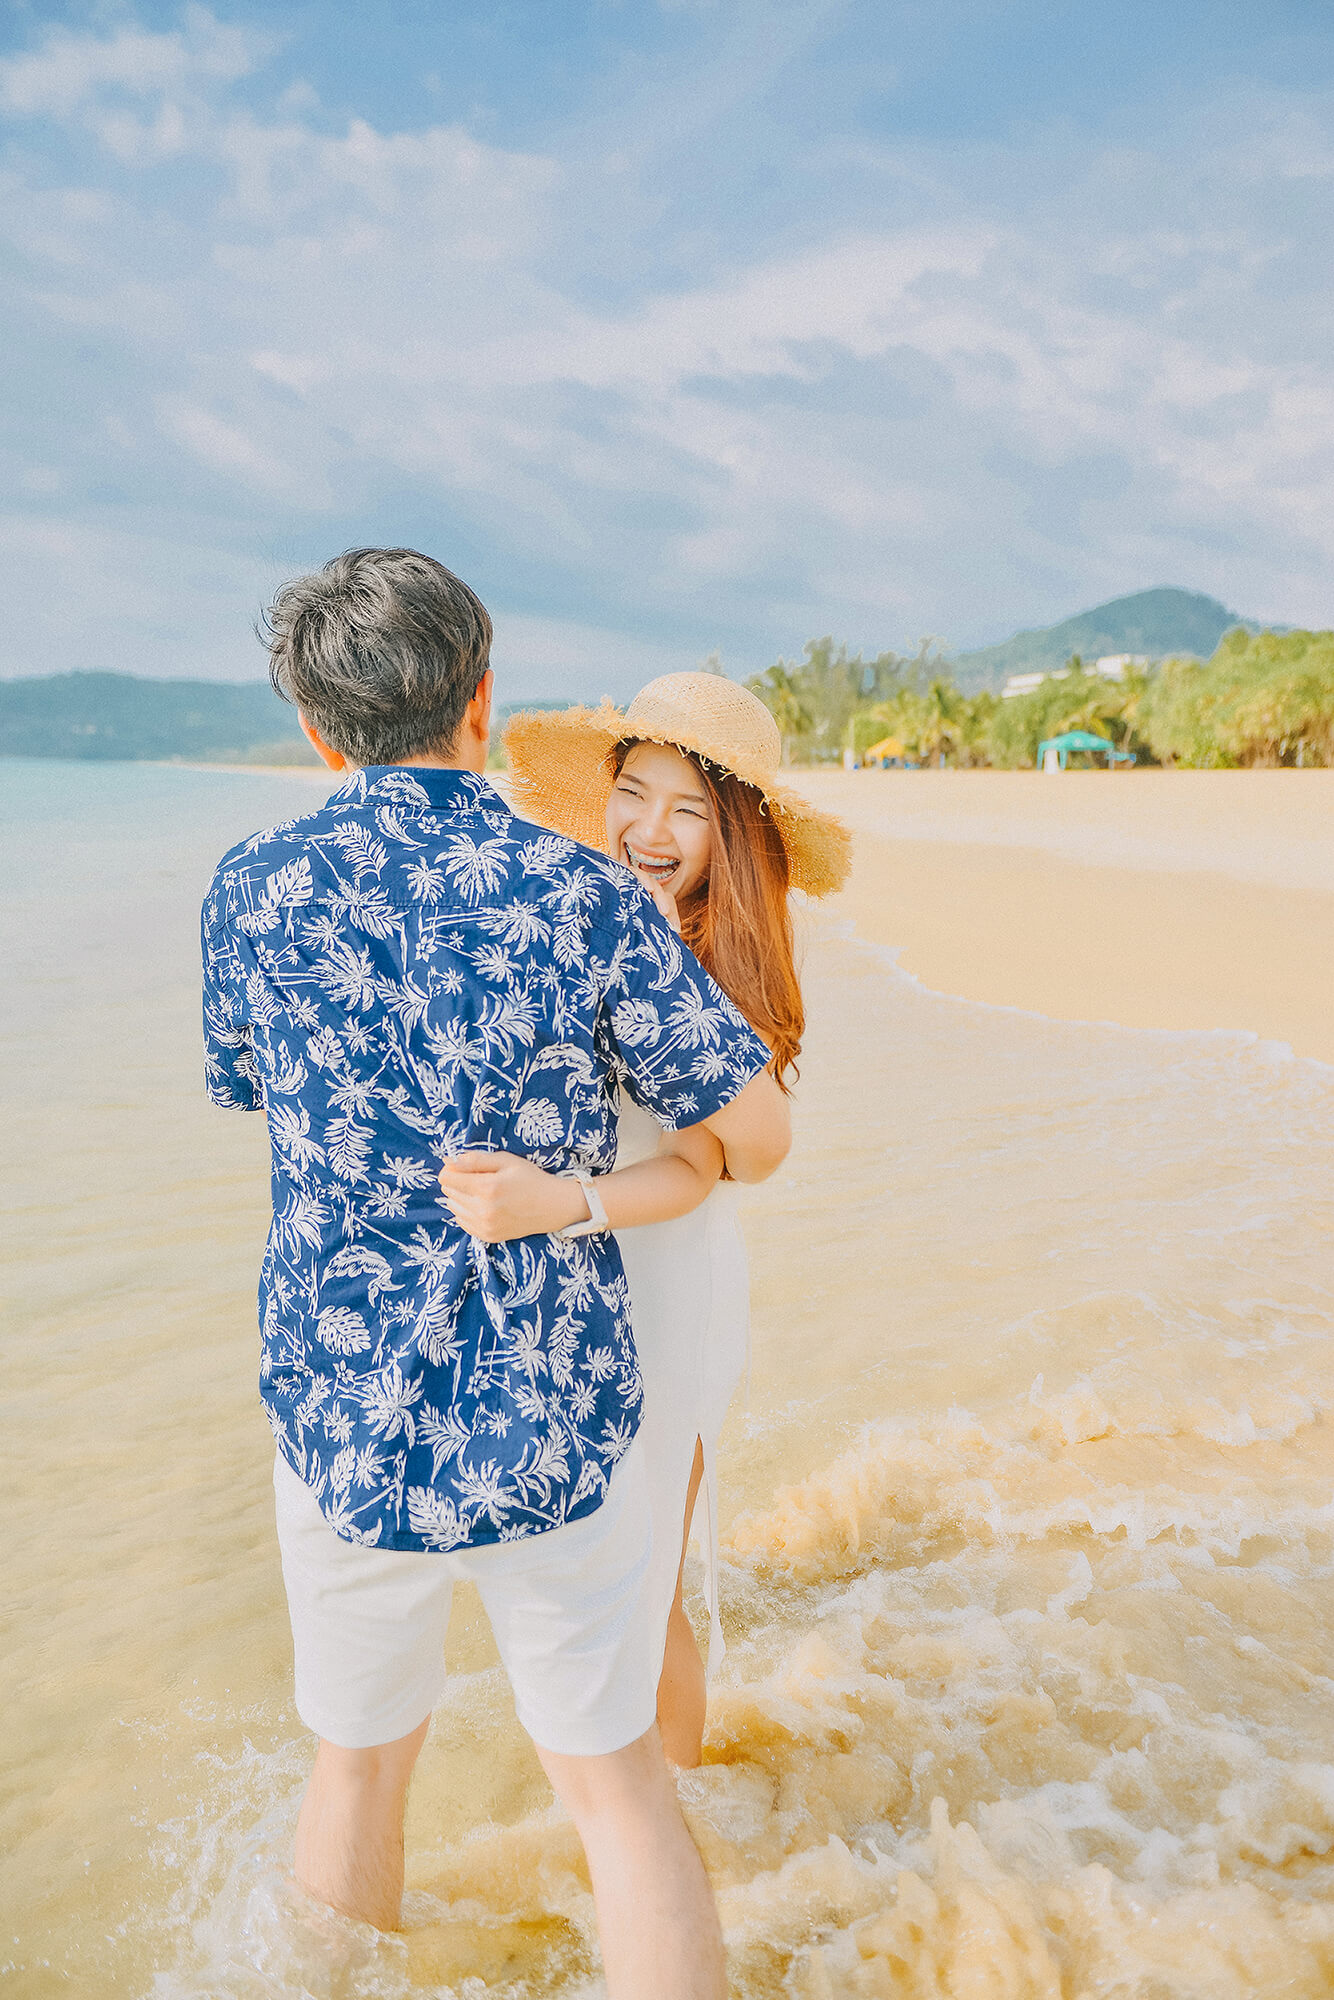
x: 381, y: 650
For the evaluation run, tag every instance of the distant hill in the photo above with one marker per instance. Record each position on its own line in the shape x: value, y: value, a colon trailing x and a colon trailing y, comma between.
x: 1155, y: 622
x: 121, y: 716
x: 107, y: 716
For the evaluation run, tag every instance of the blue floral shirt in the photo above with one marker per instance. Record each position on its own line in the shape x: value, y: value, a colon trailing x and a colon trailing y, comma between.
x: 405, y: 973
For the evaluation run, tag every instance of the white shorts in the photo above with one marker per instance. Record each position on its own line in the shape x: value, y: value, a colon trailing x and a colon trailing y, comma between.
x: 368, y: 1625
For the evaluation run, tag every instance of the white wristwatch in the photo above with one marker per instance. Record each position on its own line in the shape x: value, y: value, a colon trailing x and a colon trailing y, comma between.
x: 597, y: 1215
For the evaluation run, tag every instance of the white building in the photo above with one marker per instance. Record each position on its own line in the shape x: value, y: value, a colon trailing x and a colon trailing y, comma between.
x: 1111, y: 667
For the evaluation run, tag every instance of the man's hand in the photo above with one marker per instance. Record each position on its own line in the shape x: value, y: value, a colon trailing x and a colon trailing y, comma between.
x: 497, y: 1196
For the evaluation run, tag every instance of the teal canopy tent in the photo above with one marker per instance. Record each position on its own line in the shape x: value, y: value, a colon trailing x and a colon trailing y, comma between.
x: 1081, y: 739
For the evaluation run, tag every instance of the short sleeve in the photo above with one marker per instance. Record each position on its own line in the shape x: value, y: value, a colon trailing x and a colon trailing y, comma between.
x: 686, y: 1051
x: 230, y: 1076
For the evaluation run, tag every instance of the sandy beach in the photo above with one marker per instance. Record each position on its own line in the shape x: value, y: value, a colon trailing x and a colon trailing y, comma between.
x: 1155, y: 899
x: 1025, y: 1516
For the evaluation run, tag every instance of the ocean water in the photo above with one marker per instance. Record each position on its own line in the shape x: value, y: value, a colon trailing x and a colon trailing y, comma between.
x: 1029, y: 1518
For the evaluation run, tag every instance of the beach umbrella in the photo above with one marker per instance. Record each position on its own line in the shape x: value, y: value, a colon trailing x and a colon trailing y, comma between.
x: 1054, y: 750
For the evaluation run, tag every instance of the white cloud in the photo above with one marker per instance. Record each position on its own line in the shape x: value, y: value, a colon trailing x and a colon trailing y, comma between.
x: 553, y: 658
x: 69, y: 71
x: 223, y: 447
x: 136, y: 598
x: 885, y: 427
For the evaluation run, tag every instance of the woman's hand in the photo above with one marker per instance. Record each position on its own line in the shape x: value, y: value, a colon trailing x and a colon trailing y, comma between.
x: 497, y: 1196
x: 664, y: 899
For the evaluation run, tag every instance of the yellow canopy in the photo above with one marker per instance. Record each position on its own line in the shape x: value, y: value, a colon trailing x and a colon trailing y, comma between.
x: 888, y: 746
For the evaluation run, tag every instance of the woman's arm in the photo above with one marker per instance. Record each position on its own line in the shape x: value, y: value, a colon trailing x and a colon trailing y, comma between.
x: 496, y: 1196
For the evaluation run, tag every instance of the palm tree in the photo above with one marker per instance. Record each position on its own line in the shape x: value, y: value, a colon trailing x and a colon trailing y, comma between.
x: 787, y: 705
x: 941, y: 729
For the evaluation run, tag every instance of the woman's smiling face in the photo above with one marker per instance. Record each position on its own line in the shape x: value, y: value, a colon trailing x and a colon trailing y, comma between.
x: 658, y: 819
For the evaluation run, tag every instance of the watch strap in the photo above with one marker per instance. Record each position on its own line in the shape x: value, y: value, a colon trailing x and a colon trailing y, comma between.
x: 596, y: 1223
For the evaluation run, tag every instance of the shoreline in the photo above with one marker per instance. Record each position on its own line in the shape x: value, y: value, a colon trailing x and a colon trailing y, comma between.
x: 1176, y: 900
x: 994, y: 894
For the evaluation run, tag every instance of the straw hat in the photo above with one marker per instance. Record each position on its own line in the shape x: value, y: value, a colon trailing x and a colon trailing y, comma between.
x: 561, y: 777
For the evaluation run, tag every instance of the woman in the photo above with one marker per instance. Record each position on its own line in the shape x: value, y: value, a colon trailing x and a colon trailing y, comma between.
x: 683, y: 789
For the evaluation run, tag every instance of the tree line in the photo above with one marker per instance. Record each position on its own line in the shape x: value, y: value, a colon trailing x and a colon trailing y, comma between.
x: 1262, y: 699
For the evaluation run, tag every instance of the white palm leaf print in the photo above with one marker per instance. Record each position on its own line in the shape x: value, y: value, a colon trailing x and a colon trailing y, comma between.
x: 261, y: 1000
x: 525, y: 1284
x: 369, y: 909
x: 574, y: 1065
x: 404, y: 998
x: 406, y: 1172
x: 519, y: 925
x: 386, y: 1401
x: 454, y: 1047
x: 412, y: 1115
x: 342, y: 1330
x: 426, y: 881
x: 636, y: 1024
x: 367, y: 855
x: 287, y: 887
x: 546, y: 855
x: 446, y: 1434
x: 402, y: 787
x: 577, y: 890
x: 434, y: 1519
x: 486, y: 1489
x: 493, y: 962
x: 346, y: 975
x: 303, y: 1220
x: 476, y: 867
x: 524, y: 1348
x: 393, y: 825
x: 324, y: 1049
x: 508, y: 1019
x: 289, y: 1129
x: 563, y: 1349
x: 436, y: 1257
x: 288, y: 1074
x: 592, y: 1479
x: 359, y: 1260
x: 539, y: 1123
x: 348, y: 1148
x: 531, y: 1404
x: 546, y: 1462
x: 697, y: 1023
x: 435, y: 1330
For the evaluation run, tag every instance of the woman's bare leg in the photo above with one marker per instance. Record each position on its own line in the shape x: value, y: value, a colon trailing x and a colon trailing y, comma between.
x: 683, y: 1687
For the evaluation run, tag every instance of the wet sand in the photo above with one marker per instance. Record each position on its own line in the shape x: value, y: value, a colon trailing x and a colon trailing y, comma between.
x: 1028, y: 1548
x: 1155, y: 899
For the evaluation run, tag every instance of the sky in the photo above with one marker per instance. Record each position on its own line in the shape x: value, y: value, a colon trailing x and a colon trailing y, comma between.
x: 675, y: 326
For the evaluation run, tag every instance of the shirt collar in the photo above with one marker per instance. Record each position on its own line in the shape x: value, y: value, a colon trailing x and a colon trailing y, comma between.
x: 418, y: 786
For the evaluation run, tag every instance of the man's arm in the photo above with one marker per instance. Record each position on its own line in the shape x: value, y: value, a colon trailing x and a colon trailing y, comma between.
x: 230, y: 1076
x: 754, y: 1130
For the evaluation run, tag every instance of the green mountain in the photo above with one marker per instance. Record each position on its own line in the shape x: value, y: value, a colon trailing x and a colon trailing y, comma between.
x: 120, y: 716
x: 108, y: 716
x: 1155, y: 622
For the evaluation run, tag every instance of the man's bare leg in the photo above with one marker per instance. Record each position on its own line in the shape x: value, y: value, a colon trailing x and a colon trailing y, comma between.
x: 656, y: 1914
x: 683, y: 1687
x: 349, y: 1834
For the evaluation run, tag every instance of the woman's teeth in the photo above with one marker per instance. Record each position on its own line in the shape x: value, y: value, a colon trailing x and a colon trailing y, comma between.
x: 659, y: 866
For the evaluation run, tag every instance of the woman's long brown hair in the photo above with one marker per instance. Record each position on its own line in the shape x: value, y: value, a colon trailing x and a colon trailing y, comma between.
x: 737, y: 922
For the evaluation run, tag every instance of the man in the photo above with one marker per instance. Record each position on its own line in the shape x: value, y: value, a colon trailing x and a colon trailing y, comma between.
x: 408, y: 974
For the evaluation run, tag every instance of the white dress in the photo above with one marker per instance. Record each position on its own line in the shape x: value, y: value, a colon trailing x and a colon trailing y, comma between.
x: 690, y: 1310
